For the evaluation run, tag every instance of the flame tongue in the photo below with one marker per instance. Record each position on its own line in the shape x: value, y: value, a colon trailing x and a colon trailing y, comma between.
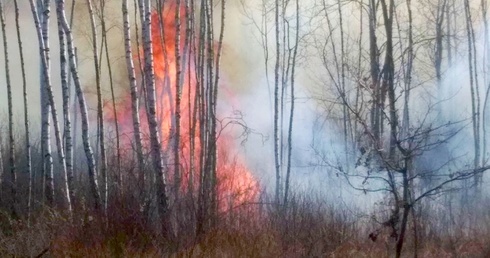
x: 236, y: 184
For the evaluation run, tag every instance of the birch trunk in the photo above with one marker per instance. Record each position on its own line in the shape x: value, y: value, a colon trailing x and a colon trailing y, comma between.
x: 68, y: 142
x: 111, y: 81
x: 82, y: 103
x: 291, y: 114
x: 439, y: 46
x: 276, y: 107
x: 26, y: 112
x: 13, y: 174
x: 43, y: 38
x: 211, y: 115
x: 156, y: 147
x: 377, y: 104
x: 473, y: 87
x: 134, y: 92
x: 178, y: 99
x: 201, y: 115
x: 49, y: 104
x: 389, y: 71
x: 486, y: 62
x: 48, y: 186
x: 100, y: 111
x: 190, y: 47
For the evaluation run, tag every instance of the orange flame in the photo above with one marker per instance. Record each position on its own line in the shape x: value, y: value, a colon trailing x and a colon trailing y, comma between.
x: 236, y: 184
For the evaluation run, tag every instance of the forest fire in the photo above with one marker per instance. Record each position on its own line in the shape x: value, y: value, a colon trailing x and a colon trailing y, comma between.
x: 235, y: 183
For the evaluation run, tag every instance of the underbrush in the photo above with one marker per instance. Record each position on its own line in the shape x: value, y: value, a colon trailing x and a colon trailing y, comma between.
x: 307, y: 229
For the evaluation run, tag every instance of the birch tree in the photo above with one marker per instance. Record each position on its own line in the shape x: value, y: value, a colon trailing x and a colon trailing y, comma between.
x: 208, y: 76
x: 486, y: 80
x: 42, y: 14
x: 156, y: 146
x: 60, y: 6
x: 291, y: 112
x: 178, y: 100
x: 134, y: 92
x: 43, y: 38
x: 68, y: 142
x: 277, y: 160
x: 100, y: 111
x: 26, y: 111
x: 105, y: 32
x: 475, y: 95
x: 13, y: 174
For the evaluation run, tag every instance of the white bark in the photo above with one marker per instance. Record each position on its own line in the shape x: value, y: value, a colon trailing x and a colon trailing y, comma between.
x: 68, y: 142
x: 155, y: 143
x: 134, y: 91
x: 178, y: 99
x: 100, y: 111
x: 82, y: 103
x: 43, y: 37
x: 276, y: 107
x: 13, y: 175
x: 26, y: 111
x: 48, y: 186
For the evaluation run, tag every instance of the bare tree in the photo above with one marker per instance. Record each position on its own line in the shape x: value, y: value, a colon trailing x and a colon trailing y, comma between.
x: 276, y: 103
x: 439, y: 22
x: 105, y: 32
x: 13, y: 175
x: 100, y: 110
x: 60, y: 5
x: 26, y: 111
x: 43, y: 38
x: 68, y: 142
x: 486, y: 67
x: 156, y: 146
x: 475, y: 98
x: 134, y: 92
x: 291, y: 112
x: 378, y: 91
x: 48, y: 187
x: 178, y: 100
x: 208, y: 75
x: 399, y: 152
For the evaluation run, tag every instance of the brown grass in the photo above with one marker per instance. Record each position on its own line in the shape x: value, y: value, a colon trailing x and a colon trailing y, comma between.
x: 308, y: 229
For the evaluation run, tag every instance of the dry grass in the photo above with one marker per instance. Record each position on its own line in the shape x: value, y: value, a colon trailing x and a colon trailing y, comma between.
x: 307, y: 230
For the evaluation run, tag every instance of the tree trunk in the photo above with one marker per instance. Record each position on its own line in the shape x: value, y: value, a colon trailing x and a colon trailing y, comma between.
x: 377, y: 101
x: 26, y: 113
x: 48, y: 186
x: 276, y: 106
x: 13, y: 174
x: 43, y: 38
x: 156, y: 147
x: 473, y: 88
x: 111, y: 81
x: 388, y: 73
x: 439, y: 46
x: 100, y: 111
x: 406, y: 207
x: 82, y: 103
x: 408, y: 74
x: 178, y: 100
x: 486, y: 67
x: 45, y: 58
x: 68, y: 142
x: 291, y: 114
x: 134, y: 93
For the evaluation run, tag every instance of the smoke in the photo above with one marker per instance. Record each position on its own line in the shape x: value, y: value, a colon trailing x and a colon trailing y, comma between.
x: 83, y: 43
x: 315, y: 139
x: 31, y: 53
